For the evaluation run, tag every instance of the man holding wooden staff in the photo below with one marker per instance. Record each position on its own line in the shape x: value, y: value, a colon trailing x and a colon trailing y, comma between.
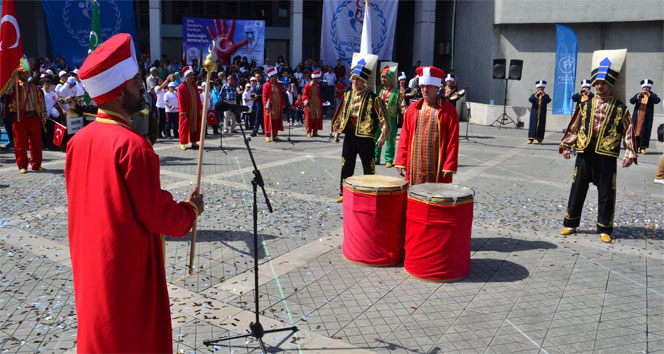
x: 116, y: 213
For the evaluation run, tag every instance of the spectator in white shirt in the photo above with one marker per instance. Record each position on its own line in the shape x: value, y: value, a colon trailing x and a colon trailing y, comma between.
x: 50, y: 101
x: 160, y: 91
x: 172, y: 113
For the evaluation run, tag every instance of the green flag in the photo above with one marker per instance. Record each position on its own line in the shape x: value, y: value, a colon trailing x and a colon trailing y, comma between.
x: 95, y: 30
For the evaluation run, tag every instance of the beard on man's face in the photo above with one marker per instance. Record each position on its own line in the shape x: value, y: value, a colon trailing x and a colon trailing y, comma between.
x: 131, y: 102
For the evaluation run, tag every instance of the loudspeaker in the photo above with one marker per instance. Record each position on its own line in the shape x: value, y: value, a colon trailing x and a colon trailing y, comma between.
x: 516, y: 66
x: 499, y: 68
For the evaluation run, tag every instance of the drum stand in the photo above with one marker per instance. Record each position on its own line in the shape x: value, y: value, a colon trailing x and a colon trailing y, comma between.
x: 256, y: 328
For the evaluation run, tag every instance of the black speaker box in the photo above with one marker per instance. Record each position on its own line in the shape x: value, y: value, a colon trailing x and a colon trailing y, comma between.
x: 499, y: 68
x: 516, y: 66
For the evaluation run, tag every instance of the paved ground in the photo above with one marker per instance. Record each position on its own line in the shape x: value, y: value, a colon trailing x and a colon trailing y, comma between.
x: 529, y: 290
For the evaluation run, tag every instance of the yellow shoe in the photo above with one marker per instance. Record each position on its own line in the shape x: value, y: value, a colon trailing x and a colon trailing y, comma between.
x: 22, y: 171
x: 568, y: 230
x: 267, y: 140
x: 388, y: 165
x: 643, y: 151
x: 605, y: 238
x: 340, y: 199
x: 529, y: 142
x: 540, y: 142
x: 40, y: 169
x: 308, y: 135
x: 183, y: 147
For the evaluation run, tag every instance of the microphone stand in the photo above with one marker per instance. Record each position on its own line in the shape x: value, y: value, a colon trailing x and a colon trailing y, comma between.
x: 256, y: 328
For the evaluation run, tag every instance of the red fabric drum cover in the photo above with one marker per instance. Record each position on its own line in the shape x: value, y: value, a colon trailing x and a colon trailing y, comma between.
x: 438, y: 229
x: 374, y: 219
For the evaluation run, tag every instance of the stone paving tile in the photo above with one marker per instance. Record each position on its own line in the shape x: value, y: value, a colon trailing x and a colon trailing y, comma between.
x: 567, y: 294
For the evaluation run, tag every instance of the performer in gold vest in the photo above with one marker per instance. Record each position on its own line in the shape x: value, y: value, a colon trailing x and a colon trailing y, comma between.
x: 358, y: 116
x: 596, y: 130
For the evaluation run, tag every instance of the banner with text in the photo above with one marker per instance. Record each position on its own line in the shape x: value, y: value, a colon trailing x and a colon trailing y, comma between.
x: 567, y: 47
x: 232, y: 38
x: 69, y: 23
x: 341, y: 31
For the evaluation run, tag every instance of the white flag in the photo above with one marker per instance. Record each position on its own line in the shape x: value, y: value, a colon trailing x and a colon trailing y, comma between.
x: 365, y: 45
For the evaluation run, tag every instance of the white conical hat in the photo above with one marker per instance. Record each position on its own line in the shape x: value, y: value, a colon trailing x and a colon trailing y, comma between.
x: 364, y: 67
x: 606, y: 65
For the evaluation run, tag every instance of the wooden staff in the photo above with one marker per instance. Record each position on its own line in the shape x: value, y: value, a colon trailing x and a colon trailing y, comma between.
x: 209, y: 65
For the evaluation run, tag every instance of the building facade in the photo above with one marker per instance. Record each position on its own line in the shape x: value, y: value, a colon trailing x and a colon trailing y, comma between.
x: 463, y: 35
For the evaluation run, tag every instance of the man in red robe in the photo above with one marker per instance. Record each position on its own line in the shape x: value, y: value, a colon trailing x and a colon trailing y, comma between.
x: 313, y: 106
x: 116, y: 213
x: 429, y: 143
x: 27, y: 103
x: 190, y: 106
x: 273, y: 104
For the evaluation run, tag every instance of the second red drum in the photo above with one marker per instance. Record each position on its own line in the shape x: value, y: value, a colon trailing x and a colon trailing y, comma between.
x: 438, y: 228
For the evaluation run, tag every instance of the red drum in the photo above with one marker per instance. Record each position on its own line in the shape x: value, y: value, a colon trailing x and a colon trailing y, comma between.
x: 374, y: 219
x: 438, y: 226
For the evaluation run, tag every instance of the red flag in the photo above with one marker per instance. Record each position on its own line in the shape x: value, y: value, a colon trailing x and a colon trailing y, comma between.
x: 59, y: 133
x: 11, y: 48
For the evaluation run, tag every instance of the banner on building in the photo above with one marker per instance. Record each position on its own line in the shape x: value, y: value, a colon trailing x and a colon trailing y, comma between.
x: 244, y: 38
x: 341, y: 31
x: 567, y: 47
x: 69, y: 23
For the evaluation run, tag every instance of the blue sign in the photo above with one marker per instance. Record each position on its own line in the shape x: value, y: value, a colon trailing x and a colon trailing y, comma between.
x: 232, y: 38
x: 567, y: 47
x: 69, y: 23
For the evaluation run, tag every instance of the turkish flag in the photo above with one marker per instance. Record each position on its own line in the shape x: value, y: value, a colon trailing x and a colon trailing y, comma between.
x: 11, y: 48
x: 212, y: 118
x: 58, y: 133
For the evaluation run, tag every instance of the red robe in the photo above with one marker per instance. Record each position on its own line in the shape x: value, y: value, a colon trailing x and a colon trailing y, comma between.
x: 313, y: 113
x: 189, y: 103
x: 273, y: 121
x: 116, y: 213
x: 446, y: 128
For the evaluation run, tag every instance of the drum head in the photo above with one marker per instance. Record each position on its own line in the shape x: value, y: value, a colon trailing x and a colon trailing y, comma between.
x: 441, y: 193
x: 374, y: 184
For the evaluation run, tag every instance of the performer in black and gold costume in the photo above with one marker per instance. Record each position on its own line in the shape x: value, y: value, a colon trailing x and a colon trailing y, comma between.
x: 539, y: 101
x: 358, y: 115
x: 644, y: 105
x: 596, y: 130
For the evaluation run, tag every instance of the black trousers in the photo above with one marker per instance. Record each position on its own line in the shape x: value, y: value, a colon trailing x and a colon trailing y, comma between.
x: 354, y: 145
x: 9, y: 126
x: 601, y: 171
x: 47, y: 136
x: 161, y: 118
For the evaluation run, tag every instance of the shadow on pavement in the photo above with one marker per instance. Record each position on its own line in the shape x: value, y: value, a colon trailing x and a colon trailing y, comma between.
x: 502, y: 244
x: 229, y: 239
x: 633, y: 233
x: 486, y: 270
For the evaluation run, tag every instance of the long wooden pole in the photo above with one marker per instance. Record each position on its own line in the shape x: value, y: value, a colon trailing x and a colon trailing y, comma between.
x: 210, y: 65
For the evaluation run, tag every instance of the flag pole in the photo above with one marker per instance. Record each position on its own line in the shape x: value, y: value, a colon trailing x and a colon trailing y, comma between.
x: 209, y: 65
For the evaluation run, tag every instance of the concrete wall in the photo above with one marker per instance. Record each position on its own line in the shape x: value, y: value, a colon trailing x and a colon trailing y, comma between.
x: 535, y: 44
x: 570, y: 11
x: 515, y: 36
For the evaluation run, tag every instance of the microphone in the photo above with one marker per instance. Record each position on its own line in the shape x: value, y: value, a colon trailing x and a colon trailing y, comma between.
x: 223, y: 106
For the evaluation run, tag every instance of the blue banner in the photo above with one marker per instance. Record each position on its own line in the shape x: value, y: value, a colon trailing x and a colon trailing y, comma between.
x: 69, y: 24
x: 567, y: 47
x: 232, y: 38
